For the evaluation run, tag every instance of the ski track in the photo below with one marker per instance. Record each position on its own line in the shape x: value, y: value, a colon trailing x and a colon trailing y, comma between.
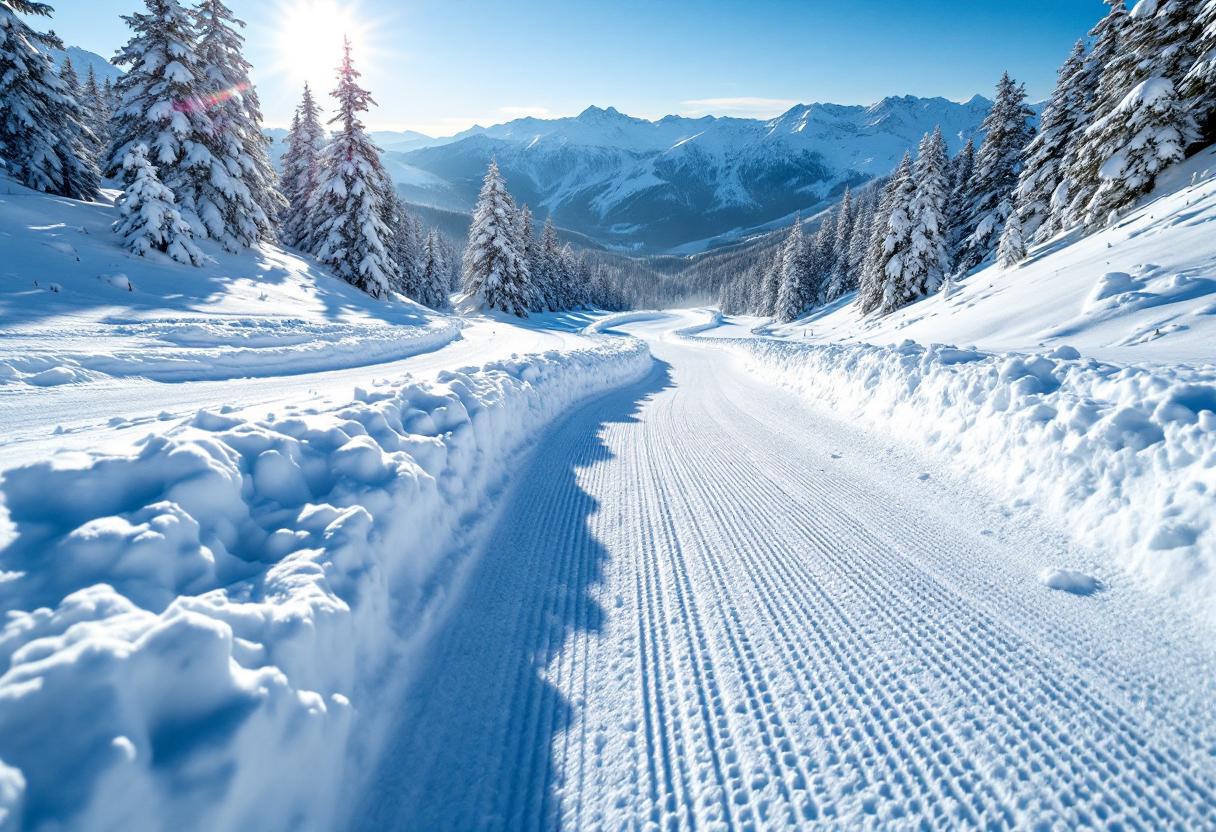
x: 707, y: 607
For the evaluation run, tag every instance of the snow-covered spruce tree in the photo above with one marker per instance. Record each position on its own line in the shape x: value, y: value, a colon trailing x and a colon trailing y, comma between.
x: 1012, y: 249
x: 543, y: 291
x: 347, y: 231
x: 97, y: 103
x: 890, y: 236
x: 553, y: 271
x: 841, y: 278
x: 301, y: 169
x: 162, y: 105
x: 928, y: 260
x: 820, y: 258
x: 1199, y: 85
x: 575, y: 284
x: 148, y: 220
x: 997, y: 165
x: 1149, y: 131
x: 236, y: 115
x: 1043, y: 170
x: 496, y: 272
x: 1104, y: 88
x: 793, y: 297
x: 45, y: 141
x: 433, y: 277
x: 962, y: 166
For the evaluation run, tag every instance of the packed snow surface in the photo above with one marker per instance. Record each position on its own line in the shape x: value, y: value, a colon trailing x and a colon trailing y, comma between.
x: 708, y: 604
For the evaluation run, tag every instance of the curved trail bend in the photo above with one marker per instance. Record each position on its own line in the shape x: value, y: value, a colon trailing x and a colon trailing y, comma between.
x: 707, y: 606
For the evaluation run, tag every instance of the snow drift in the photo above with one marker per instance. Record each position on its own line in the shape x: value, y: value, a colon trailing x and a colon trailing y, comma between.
x: 191, y: 628
x: 1125, y: 455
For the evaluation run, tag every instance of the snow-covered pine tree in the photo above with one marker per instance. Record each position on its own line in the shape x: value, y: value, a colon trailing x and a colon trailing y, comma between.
x: 434, y: 280
x: 1012, y: 249
x: 148, y: 220
x: 97, y: 103
x: 928, y: 260
x: 301, y: 169
x: 820, y: 259
x: 1199, y: 85
x: 1149, y: 131
x: 997, y: 164
x: 347, y: 208
x: 495, y: 264
x: 962, y: 166
x: 245, y: 186
x: 544, y: 292
x: 841, y: 278
x: 45, y: 141
x: 793, y: 297
x: 162, y: 105
x: 1104, y: 89
x: 890, y: 237
x: 769, y: 288
x: 575, y: 287
x: 900, y: 263
x: 407, y: 247
x: 553, y: 274
x: 1043, y: 170
x: 71, y: 79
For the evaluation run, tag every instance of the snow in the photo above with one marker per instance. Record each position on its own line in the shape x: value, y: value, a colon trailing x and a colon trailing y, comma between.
x: 1085, y: 383
x: 1069, y: 580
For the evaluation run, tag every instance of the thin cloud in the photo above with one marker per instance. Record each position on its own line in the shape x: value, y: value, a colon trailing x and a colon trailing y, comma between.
x: 751, y: 107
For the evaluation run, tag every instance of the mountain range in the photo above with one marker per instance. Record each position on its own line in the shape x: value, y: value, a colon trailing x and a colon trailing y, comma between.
x: 676, y: 185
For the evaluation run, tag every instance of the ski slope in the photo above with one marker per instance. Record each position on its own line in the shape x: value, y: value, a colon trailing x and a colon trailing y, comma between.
x: 708, y: 606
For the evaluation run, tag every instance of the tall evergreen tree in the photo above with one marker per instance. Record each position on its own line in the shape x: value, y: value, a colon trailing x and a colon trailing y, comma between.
x: 97, y: 103
x: 793, y: 297
x: 1007, y: 131
x: 841, y: 279
x: 553, y: 270
x: 928, y: 259
x: 347, y: 208
x: 496, y: 272
x: 1083, y: 156
x: 83, y: 177
x: 890, y: 240
x: 1043, y: 172
x: 245, y: 184
x: 301, y: 169
x: 962, y: 166
x: 45, y: 141
x: 163, y: 106
x: 434, y: 280
x: 1199, y: 85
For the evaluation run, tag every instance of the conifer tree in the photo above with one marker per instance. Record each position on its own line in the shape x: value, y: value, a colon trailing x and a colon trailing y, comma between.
x: 301, y: 169
x: 148, y: 220
x: 543, y: 290
x: 496, y: 272
x: 553, y: 269
x: 163, y: 106
x: 997, y: 165
x: 1012, y: 249
x: 928, y: 259
x: 434, y: 278
x: 45, y: 141
x: 1199, y: 85
x: 244, y: 184
x: 962, y: 166
x: 347, y: 209
x: 1149, y: 131
x: 793, y: 296
x: 97, y: 103
x: 1043, y: 172
x: 841, y: 278
x: 1083, y: 155
x: 890, y: 240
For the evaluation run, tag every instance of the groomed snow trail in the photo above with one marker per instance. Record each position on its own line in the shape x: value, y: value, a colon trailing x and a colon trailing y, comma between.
x: 706, y: 606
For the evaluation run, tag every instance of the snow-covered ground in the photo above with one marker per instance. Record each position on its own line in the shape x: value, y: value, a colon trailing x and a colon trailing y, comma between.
x: 708, y: 605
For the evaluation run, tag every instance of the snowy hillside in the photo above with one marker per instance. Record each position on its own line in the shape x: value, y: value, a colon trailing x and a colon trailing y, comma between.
x: 82, y: 59
x: 649, y: 186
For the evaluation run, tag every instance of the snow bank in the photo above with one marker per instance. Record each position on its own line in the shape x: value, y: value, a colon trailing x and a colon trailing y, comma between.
x: 1125, y: 455
x: 191, y: 629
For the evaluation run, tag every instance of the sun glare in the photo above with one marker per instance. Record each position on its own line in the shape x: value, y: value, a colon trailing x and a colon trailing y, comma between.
x: 310, y: 39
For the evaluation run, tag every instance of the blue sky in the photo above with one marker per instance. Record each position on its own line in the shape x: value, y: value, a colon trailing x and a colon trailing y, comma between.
x: 440, y: 66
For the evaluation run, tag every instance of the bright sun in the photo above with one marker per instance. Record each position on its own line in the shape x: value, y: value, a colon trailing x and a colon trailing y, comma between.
x: 310, y: 39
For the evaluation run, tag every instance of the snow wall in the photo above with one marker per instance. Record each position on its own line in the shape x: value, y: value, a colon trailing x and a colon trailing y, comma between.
x: 191, y: 629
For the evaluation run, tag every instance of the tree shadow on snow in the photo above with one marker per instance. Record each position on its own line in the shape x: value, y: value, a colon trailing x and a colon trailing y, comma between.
x: 473, y: 744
